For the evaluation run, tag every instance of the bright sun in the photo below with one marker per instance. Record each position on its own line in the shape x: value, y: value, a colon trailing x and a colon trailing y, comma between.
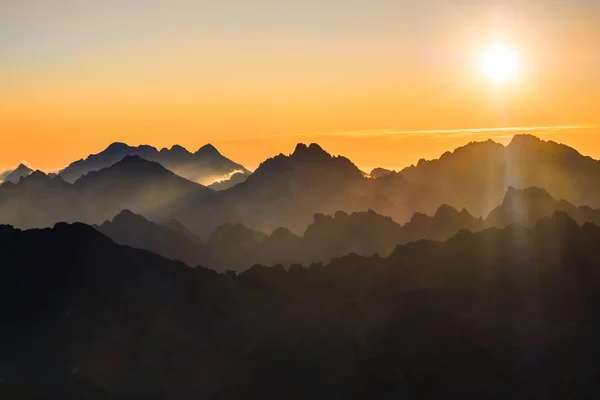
x: 500, y: 63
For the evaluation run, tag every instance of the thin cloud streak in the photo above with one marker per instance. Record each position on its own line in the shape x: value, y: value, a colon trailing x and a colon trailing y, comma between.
x: 428, y: 132
x: 465, y: 132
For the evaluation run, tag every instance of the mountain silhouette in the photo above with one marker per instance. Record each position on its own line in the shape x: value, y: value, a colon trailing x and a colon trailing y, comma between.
x: 15, y: 175
x: 233, y: 180
x: 288, y: 190
x: 237, y: 247
x: 495, y: 314
x: 526, y: 207
x: 170, y: 241
x: 379, y: 172
x: 477, y: 175
x: 133, y: 183
x: 205, y: 164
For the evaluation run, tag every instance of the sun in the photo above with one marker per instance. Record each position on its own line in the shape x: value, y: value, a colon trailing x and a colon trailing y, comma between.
x: 500, y: 63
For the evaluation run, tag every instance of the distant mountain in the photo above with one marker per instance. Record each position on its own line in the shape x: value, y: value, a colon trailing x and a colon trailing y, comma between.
x: 15, y: 175
x: 477, y: 175
x: 133, y: 183
x: 237, y: 247
x: 38, y: 201
x: 141, y: 186
x: 526, y: 207
x: 503, y: 313
x: 288, y: 190
x: 379, y: 172
x: 233, y: 180
x: 445, y: 223
x: 203, y: 166
x: 169, y: 241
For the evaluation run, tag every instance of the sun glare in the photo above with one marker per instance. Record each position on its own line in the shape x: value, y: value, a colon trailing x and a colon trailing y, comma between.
x: 500, y: 63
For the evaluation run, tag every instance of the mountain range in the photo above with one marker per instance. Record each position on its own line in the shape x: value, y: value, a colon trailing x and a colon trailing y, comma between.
x: 471, y: 276
x: 204, y: 166
x: 237, y: 247
x: 288, y: 190
x: 495, y: 314
x: 15, y: 175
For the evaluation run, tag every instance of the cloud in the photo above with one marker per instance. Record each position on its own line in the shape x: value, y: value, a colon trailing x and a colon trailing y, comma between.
x: 456, y: 133
x: 503, y: 132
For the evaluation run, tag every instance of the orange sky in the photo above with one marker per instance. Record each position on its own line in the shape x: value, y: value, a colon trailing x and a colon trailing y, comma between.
x: 254, y: 78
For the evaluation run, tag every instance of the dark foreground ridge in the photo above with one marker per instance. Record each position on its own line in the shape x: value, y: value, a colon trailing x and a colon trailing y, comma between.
x: 495, y: 314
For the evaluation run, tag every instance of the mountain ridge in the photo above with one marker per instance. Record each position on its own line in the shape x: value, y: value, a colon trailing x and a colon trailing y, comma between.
x: 204, y: 164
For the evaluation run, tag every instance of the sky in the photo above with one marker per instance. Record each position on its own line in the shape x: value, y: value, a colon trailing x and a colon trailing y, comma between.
x: 383, y: 82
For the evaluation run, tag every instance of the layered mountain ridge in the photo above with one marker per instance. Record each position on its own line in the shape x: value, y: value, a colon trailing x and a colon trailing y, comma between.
x: 203, y: 166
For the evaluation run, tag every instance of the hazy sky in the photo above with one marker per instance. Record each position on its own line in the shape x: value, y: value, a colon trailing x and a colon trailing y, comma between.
x: 254, y: 77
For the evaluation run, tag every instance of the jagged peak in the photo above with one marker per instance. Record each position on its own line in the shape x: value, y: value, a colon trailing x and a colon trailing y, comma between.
x: 380, y: 172
x: 126, y: 216
x: 559, y: 219
x: 208, y: 149
x: 37, y: 175
x: 179, y: 149
x: 117, y: 146
x: 513, y: 194
x: 525, y: 139
x: 22, y: 166
x: 312, y: 149
x: 130, y: 162
x: 125, y: 213
x: 445, y: 210
x: 300, y: 147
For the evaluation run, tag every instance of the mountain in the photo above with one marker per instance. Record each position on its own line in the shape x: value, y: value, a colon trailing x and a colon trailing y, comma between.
x: 526, y: 207
x: 477, y: 175
x: 139, y: 185
x: 203, y: 166
x: 38, y: 200
x: 445, y: 223
x: 15, y: 175
x: 133, y: 183
x: 379, y: 172
x: 288, y: 190
x: 237, y: 247
x: 107, y: 312
x: 169, y: 241
x: 502, y: 313
x: 230, y: 182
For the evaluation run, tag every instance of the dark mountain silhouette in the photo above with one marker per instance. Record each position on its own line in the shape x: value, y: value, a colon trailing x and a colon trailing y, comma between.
x: 206, y: 164
x: 380, y: 172
x: 177, y: 226
x: 142, y: 186
x: 287, y: 191
x: 171, y: 241
x: 526, y: 207
x: 133, y: 183
x: 505, y: 313
x: 37, y: 201
x: 444, y: 224
x: 15, y: 175
x: 477, y: 175
x: 236, y: 247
